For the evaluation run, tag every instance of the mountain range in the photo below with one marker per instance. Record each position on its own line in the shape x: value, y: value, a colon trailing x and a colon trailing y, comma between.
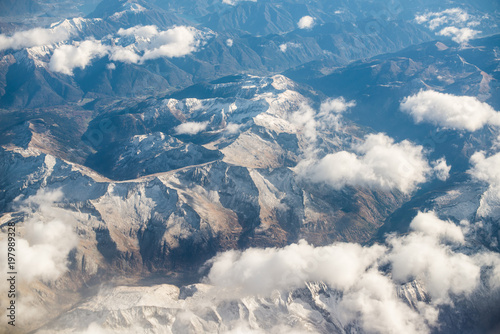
x: 251, y: 166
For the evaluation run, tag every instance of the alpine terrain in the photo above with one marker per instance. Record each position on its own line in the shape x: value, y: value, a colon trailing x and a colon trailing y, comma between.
x: 261, y: 166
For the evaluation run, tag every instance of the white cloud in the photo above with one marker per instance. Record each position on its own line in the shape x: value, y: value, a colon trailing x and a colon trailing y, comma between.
x: 455, y: 23
x: 486, y: 169
x: 306, y: 22
x: 229, y: 42
x: 260, y: 271
x: 139, y: 31
x: 441, y: 169
x: 429, y: 224
x: 190, y: 128
x: 68, y: 57
x: 123, y: 54
x: 111, y: 66
x: 374, y: 304
x: 377, y: 163
x: 450, y: 111
x: 175, y: 42
x: 48, y: 237
x: 35, y: 37
x: 43, y: 251
x: 338, y: 105
x: 423, y: 256
x: 436, y: 19
x: 459, y: 35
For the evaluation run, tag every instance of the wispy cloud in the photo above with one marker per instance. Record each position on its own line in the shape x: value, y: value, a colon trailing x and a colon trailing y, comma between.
x: 456, y: 23
x: 191, y: 128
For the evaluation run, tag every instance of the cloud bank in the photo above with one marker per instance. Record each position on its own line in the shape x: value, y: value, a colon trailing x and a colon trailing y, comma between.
x: 35, y: 37
x: 430, y: 255
x: 450, y: 111
x: 133, y: 46
x: 378, y: 162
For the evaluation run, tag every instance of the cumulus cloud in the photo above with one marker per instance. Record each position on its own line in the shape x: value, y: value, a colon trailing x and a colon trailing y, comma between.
x: 123, y: 54
x: 306, y: 22
x: 450, y: 111
x: 486, y: 169
x: 430, y: 225
x: 175, y: 42
x: 229, y: 42
x: 423, y: 256
x: 80, y: 54
x: 35, y: 37
x: 441, y: 169
x: 454, y: 22
x: 429, y: 254
x: 43, y: 253
x: 141, y: 43
x: 378, y: 162
x: 459, y: 35
x: 190, y: 128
